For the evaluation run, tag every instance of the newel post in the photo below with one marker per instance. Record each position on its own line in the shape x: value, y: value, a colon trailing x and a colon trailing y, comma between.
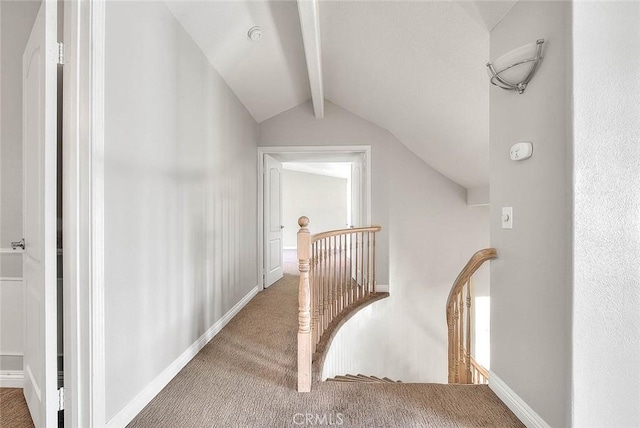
x: 304, y: 308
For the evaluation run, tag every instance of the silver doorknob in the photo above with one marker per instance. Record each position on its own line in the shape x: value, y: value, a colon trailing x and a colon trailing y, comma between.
x: 281, y: 227
x: 17, y: 244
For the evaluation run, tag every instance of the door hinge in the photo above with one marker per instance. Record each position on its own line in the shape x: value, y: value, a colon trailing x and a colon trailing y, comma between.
x: 60, y: 399
x: 264, y: 280
x: 60, y: 53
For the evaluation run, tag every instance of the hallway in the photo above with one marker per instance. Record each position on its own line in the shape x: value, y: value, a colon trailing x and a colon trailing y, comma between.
x: 246, y: 377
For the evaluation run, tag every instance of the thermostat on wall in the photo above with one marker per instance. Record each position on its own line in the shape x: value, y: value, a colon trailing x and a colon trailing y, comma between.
x: 521, y: 151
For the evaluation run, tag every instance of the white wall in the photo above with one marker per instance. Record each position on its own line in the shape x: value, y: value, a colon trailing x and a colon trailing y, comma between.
x: 321, y: 198
x: 606, y: 319
x: 429, y: 233
x: 16, y: 21
x: 180, y: 197
x: 530, y: 280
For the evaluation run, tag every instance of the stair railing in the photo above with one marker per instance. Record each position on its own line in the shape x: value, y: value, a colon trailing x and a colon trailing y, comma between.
x: 337, y: 271
x: 463, y: 368
x: 479, y: 375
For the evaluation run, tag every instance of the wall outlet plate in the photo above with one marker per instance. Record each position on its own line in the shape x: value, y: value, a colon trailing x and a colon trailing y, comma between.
x: 521, y: 151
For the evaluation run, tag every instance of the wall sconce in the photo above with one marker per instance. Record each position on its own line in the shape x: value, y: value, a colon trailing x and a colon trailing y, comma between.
x: 518, y: 65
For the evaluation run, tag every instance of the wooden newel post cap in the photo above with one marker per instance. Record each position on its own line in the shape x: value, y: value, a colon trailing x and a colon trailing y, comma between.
x: 303, y: 221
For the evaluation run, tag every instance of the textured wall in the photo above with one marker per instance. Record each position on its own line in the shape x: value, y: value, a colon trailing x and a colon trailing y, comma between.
x: 606, y: 324
x: 180, y: 197
x: 530, y: 282
x: 428, y: 235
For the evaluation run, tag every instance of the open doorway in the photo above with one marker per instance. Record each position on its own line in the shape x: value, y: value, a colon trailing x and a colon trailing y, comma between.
x: 318, y: 190
x: 330, y: 185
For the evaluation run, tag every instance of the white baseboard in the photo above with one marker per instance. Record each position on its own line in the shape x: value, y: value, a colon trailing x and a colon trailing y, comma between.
x: 382, y: 288
x: 516, y: 404
x: 11, y: 379
x: 131, y: 410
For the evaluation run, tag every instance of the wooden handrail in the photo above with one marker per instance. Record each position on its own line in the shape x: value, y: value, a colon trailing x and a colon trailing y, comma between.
x: 337, y: 273
x: 479, y: 374
x: 462, y: 367
x: 470, y: 268
x: 337, y: 232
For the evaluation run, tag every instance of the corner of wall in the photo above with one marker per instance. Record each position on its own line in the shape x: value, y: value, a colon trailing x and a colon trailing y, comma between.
x: 516, y: 404
x: 478, y: 196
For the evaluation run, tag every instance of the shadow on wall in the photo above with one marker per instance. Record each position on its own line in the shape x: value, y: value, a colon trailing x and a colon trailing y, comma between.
x: 180, y: 191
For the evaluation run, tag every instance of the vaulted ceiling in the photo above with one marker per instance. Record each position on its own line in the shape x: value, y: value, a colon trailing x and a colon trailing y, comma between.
x: 269, y: 76
x: 414, y: 68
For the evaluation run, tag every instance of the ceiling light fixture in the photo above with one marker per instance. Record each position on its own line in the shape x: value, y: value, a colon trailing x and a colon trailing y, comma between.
x: 513, y: 70
x: 255, y: 33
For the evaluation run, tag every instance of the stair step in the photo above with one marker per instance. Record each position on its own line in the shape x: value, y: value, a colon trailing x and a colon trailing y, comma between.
x: 383, y: 380
x: 361, y: 378
x: 342, y: 379
x: 368, y: 378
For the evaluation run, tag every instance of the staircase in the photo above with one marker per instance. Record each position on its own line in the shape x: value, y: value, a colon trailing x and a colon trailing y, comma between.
x: 463, y: 368
x: 362, y: 378
x: 337, y: 279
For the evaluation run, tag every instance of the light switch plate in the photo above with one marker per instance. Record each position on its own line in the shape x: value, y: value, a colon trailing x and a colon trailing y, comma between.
x: 507, y: 217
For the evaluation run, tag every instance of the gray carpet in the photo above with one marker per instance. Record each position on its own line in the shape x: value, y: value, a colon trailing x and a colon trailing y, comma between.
x: 246, y: 377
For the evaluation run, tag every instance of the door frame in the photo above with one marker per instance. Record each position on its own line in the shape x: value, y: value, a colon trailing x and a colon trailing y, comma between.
x: 83, y: 213
x: 307, y: 151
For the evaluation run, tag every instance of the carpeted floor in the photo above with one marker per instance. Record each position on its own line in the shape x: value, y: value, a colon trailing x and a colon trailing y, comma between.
x: 246, y: 377
x: 13, y: 409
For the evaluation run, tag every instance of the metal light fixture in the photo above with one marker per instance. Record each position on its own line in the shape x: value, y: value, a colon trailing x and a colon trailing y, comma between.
x: 515, y: 69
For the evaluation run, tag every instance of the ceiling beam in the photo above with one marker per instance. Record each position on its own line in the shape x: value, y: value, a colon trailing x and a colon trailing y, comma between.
x: 310, y: 25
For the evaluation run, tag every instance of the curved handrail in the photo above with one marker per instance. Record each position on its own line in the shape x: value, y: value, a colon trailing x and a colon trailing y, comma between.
x: 462, y: 366
x: 337, y: 276
x: 469, y: 269
x: 337, y: 232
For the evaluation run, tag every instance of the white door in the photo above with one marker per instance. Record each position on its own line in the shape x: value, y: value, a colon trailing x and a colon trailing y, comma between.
x: 39, y: 92
x: 272, y: 220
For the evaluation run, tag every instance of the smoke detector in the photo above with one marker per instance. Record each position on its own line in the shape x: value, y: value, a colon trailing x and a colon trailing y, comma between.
x: 255, y: 33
